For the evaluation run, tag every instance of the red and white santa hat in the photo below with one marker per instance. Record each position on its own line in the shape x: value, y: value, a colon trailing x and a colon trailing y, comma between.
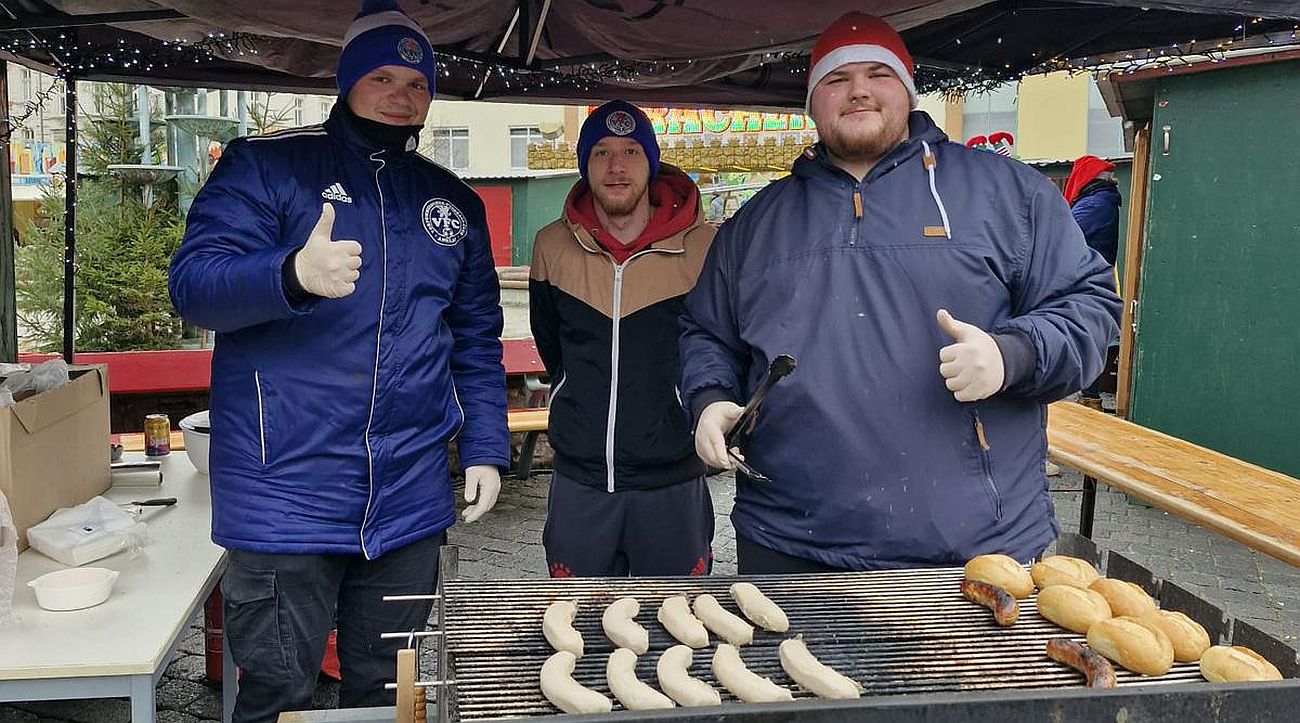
x: 860, y: 38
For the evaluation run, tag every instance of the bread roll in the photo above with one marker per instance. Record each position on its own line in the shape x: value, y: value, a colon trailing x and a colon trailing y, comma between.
x: 1062, y: 570
x: 1002, y: 571
x: 1187, y: 636
x: 1133, y: 643
x: 1075, y: 609
x: 1233, y: 663
x: 1124, y: 597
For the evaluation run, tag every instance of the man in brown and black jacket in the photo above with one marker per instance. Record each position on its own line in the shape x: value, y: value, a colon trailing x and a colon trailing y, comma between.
x: 608, y: 278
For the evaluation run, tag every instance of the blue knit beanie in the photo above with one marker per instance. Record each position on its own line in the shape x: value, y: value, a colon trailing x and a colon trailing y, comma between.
x: 380, y: 35
x: 617, y: 118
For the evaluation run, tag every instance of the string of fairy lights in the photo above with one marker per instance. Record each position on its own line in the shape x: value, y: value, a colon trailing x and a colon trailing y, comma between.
x: 71, y: 55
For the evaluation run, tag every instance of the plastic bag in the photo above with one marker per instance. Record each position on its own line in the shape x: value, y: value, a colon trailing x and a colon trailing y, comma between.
x: 41, y: 378
x: 6, y: 399
x: 88, y: 532
x: 8, y: 561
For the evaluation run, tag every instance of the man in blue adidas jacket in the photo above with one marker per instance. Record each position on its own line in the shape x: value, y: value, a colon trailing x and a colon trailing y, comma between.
x: 935, y: 297
x: 351, y: 285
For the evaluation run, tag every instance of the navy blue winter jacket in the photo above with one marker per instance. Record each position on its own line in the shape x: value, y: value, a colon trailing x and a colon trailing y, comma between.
x: 1097, y: 212
x: 875, y: 465
x: 330, y: 418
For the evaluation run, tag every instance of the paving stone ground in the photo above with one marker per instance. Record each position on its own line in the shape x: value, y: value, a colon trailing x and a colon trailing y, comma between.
x: 507, y: 544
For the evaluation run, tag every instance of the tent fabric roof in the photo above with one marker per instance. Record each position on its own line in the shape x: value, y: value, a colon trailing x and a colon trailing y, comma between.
x: 719, y: 52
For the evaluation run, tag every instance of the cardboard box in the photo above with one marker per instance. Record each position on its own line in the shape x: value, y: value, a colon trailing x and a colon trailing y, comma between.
x: 54, y: 448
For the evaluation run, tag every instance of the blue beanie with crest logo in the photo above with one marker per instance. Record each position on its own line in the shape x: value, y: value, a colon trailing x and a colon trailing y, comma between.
x: 618, y: 118
x: 380, y: 35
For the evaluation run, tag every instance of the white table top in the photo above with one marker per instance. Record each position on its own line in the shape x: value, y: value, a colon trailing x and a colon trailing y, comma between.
x: 129, y: 633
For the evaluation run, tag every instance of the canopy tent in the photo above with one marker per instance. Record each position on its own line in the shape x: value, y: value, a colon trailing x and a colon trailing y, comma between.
x: 749, y: 53
x: 719, y: 52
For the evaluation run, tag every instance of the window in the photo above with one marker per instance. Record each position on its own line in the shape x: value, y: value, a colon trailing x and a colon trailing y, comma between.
x: 1105, y: 134
x: 297, y: 111
x: 520, y: 139
x: 986, y: 113
x: 27, y: 84
x: 325, y: 107
x: 450, y: 147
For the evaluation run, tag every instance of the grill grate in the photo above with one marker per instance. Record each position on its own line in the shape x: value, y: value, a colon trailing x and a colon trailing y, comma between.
x: 895, y: 632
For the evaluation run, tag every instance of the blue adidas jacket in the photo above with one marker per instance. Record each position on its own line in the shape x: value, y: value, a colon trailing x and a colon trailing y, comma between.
x: 875, y: 465
x: 330, y: 419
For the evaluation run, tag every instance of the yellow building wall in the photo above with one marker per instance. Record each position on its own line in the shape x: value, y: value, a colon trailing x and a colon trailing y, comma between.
x: 1052, y: 116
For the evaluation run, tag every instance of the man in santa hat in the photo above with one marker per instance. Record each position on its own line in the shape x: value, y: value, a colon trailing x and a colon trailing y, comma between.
x: 351, y: 285
x: 936, y: 299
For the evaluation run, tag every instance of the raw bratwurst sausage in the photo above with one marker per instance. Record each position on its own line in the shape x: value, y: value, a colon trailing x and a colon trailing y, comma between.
x: 564, y: 692
x: 759, y: 608
x: 620, y: 672
x: 677, y: 682
x: 675, y: 615
x: 723, y: 622
x: 621, y: 628
x: 814, y: 675
x: 743, y: 683
x: 557, y: 626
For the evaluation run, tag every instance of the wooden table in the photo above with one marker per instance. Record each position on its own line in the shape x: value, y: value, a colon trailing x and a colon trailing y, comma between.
x: 121, y: 647
x: 1257, y: 507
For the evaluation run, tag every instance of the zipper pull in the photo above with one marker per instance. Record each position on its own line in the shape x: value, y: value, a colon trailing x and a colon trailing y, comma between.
x: 979, y: 433
x: 857, y: 203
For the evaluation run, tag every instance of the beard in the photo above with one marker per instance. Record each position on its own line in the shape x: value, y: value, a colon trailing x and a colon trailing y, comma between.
x: 863, y: 142
x: 621, y: 204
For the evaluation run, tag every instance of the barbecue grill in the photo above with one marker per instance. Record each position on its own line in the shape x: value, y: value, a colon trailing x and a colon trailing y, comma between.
x: 919, y: 649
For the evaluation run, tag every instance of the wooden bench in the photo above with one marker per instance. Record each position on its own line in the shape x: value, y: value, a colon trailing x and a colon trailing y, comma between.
x: 1257, y: 507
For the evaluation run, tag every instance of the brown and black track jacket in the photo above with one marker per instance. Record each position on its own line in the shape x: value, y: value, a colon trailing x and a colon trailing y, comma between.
x: 607, y: 333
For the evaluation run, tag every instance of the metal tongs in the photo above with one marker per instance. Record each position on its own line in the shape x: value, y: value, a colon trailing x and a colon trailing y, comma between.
x: 780, y: 367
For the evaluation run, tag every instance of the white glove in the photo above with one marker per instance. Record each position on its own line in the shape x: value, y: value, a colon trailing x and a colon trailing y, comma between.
x: 326, y: 267
x: 711, y: 434
x: 482, y: 482
x: 972, y: 368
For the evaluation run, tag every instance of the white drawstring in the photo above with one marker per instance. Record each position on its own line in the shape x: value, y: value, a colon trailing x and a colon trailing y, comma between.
x: 930, y: 164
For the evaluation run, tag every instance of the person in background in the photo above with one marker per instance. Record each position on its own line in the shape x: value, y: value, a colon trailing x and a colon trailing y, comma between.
x: 1094, y: 201
x: 606, y: 285
x: 935, y: 297
x: 351, y: 286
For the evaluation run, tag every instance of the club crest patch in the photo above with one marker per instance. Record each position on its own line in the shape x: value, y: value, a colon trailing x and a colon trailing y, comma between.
x: 444, y: 223
x: 409, y: 50
x: 620, y: 123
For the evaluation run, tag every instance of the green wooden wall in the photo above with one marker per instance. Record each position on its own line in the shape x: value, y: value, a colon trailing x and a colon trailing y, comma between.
x: 1218, y: 346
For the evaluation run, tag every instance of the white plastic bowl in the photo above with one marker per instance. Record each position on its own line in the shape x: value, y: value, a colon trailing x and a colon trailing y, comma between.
x: 196, y: 443
x: 74, y: 588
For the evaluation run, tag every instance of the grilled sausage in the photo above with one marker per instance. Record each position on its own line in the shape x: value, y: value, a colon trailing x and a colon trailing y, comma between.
x: 620, y: 627
x: 743, y: 683
x: 1099, y: 672
x: 812, y: 674
x: 759, y: 608
x: 557, y: 626
x: 677, y: 682
x: 1001, y: 571
x: 675, y: 615
x: 1006, y: 610
x: 620, y: 672
x: 564, y: 692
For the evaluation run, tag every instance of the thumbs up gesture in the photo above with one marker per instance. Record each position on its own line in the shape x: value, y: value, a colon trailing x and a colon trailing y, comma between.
x: 972, y: 367
x: 326, y: 267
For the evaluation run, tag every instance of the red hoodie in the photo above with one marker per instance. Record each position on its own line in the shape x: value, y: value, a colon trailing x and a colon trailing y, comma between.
x: 674, y: 206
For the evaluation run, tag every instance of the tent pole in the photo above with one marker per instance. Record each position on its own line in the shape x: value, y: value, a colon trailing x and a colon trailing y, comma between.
x: 70, y: 214
x: 8, y: 240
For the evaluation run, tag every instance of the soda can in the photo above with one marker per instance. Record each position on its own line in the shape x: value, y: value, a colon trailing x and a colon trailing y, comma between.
x: 157, y: 435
